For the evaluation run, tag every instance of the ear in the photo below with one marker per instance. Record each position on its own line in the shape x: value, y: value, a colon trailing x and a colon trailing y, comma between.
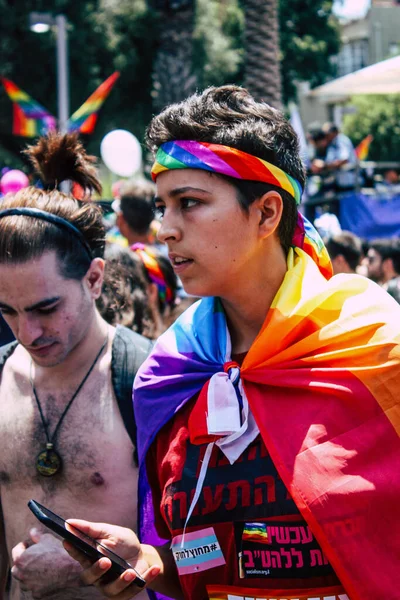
x: 339, y: 264
x: 94, y: 277
x: 269, y: 207
x: 121, y: 224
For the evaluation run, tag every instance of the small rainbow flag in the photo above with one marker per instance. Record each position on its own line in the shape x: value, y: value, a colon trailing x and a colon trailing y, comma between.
x: 84, y: 119
x: 255, y: 532
x: 363, y: 147
x: 29, y: 117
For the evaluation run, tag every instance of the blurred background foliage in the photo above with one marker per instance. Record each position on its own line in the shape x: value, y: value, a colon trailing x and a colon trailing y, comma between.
x: 125, y: 35
x: 380, y: 117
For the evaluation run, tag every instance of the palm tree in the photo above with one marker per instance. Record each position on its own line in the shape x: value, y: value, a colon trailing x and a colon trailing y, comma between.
x: 173, y: 78
x: 262, y: 75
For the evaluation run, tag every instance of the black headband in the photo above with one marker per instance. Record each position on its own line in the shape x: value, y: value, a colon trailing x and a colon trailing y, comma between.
x: 36, y: 213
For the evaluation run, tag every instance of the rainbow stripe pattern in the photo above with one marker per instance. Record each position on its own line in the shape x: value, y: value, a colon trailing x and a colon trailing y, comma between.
x: 189, y: 154
x: 255, y: 532
x: 154, y: 272
x: 30, y: 119
x: 223, y: 592
x: 234, y: 163
x: 85, y: 118
x: 362, y: 150
x: 322, y: 379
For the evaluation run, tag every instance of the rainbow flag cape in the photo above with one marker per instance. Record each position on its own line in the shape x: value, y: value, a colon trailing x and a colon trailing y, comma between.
x: 363, y: 147
x: 323, y: 382
x: 85, y: 118
x: 30, y: 119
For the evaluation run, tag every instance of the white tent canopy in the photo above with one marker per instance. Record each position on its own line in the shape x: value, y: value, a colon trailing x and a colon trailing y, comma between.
x: 380, y: 78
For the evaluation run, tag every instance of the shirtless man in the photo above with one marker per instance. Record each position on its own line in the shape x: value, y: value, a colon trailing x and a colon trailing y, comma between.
x: 50, y: 277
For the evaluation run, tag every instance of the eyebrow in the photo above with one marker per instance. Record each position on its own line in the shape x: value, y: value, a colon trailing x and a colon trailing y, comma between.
x: 182, y: 190
x: 38, y: 305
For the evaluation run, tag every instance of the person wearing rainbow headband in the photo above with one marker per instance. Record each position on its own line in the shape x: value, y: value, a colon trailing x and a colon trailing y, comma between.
x: 162, y: 285
x: 268, y: 415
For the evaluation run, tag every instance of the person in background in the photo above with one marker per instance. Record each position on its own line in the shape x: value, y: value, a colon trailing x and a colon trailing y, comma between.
x: 345, y: 251
x: 389, y: 185
x: 340, y: 159
x: 391, y: 177
x: 393, y: 285
x: 67, y: 435
x: 326, y: 222
x: 162, y: 286
x: 267, y: 415
x: 124, y: 297
x: 383, y: 260
x: 318, y: 146
x: 135, y: 213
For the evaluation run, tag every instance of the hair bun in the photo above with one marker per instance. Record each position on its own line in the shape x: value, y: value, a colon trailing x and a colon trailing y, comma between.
x: 59, y: 157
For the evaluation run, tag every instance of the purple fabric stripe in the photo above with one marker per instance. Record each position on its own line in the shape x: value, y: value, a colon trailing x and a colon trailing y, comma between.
x: 208, y: 157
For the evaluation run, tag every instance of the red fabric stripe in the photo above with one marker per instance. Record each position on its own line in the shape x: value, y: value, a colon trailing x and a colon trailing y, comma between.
x: 354, y: 504
x: 18, y: 120
x: 89, y: 125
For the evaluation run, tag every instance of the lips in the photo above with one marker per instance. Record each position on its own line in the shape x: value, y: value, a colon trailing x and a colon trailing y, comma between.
x: 40, y: 350
x: 179, y: 262
x: 178, y: 259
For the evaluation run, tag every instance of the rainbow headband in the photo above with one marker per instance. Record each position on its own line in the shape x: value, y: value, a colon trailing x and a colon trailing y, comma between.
x: 189, y: 154
x: 154, y: 272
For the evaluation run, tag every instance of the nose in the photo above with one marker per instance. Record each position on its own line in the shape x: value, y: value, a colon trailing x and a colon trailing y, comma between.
x: 170, y: 229
x: 28, y: 330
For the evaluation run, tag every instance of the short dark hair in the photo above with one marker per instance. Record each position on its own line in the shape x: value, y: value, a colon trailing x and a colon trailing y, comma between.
x: 330, y: 127
x: 229, y: 115
x: 136, y: 205
x: 56, y: 158
x: 388, y: 248
x: 348, y: 245
x: 317, y: 135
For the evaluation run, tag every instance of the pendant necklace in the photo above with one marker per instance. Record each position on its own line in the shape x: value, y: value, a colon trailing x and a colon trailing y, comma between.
x: 49, y: 462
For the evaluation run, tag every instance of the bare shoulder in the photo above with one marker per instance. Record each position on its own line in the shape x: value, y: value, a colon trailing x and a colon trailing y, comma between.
x: 14, y: 361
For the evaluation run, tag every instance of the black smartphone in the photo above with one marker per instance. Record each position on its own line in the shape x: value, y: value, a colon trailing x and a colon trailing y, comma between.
x: 83, y: 542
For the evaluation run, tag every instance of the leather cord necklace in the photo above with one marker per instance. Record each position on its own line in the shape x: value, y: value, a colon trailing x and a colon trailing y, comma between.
x: 49, y: 462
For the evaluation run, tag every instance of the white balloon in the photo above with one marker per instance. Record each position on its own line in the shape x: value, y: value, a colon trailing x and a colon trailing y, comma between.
x: 121, y: 152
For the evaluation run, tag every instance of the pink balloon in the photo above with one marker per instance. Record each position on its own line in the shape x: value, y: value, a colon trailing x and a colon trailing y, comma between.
x: 13, y: 181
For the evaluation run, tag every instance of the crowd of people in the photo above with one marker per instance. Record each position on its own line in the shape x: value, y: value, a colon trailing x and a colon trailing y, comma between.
x: 377, y: 259
x: 205, y: 383
x: 334, y: 169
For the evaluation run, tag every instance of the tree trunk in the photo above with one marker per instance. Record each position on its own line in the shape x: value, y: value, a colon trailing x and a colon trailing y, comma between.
x: 262, y: 75
x: 173, y: 78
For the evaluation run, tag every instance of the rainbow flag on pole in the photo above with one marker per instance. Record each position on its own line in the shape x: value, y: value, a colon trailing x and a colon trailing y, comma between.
x: 363, y: 147
x: 29, y: 117
x: 84, y: 119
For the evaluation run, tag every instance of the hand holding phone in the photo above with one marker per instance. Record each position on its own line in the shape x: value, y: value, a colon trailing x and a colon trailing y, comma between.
x: 84, y: 543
